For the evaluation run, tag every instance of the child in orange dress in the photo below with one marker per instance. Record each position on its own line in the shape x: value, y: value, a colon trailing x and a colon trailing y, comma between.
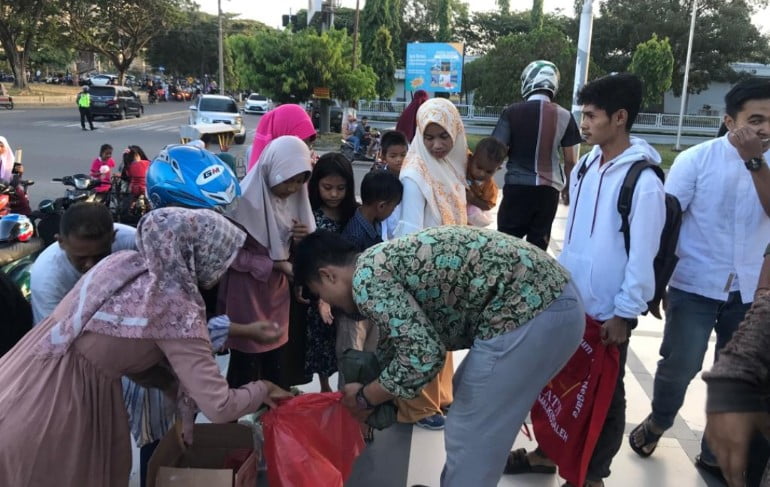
x: 481, y: 192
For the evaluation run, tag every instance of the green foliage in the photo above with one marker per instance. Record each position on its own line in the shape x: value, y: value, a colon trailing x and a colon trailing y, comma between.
x: 198, y: 34
x: 122, y: 29
x: 496, y: 76
x: 653, y: 62
x: 421, y: 21
x: 724, y: 34
x: 23, y: 23
x: 382, y: 62
x: 376, y: 14
x: 537, y: 14
x: 288, y: 66
x: 504, y: 5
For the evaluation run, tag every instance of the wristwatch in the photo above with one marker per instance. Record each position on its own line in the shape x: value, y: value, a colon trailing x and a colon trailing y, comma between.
x: 361, y: 401
x: 755, y: 164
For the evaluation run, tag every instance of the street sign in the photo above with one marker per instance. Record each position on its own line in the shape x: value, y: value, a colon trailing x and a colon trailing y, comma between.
x: 322, y: 93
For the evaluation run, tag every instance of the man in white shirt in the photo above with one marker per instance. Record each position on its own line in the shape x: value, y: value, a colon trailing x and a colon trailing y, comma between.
x: 723, y: 186
x: 86, y: 236
x: 615, y: 286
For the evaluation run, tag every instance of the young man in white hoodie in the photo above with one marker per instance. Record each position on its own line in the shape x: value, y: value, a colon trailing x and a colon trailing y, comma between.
x: 724, y: 188
x: 615, y: 285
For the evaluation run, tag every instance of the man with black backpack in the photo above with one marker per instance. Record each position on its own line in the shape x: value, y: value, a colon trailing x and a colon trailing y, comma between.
x: 724, y: 189
x: 614, y: 274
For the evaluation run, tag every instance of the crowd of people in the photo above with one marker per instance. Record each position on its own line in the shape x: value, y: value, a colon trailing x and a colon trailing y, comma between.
x: 299, y: 271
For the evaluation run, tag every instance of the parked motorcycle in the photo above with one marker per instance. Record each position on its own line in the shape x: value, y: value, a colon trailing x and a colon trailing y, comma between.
x: 11, y: 199
x: 18, y: 249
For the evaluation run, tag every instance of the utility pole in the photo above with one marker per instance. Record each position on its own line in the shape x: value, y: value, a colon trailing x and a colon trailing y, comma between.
x: 678, y: 147
x: 220, y: 47
x: 355, y: 37
x: 583, y: 55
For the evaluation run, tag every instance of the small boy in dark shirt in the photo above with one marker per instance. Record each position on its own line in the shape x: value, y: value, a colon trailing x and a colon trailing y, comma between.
x: 381, y: 192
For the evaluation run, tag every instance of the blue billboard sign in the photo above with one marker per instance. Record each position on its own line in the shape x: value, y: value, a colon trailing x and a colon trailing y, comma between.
x: 434, y: 66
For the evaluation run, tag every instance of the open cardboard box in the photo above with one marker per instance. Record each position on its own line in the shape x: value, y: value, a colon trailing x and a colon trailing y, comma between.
x: 203, y: 464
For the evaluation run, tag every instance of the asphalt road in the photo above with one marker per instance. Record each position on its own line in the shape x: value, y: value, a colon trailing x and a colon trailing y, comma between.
x: 54, y: 145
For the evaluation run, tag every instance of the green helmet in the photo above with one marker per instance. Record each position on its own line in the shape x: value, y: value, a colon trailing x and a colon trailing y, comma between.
x: 540, y: 76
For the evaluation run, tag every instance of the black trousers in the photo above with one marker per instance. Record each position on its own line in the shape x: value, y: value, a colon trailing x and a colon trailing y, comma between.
x: 611, y: 437
x: 528, y: 211
x: 85, y: 114
x: 249, y: 367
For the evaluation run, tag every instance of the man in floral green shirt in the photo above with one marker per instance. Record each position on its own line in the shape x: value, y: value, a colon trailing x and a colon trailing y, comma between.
x: 452, y: 288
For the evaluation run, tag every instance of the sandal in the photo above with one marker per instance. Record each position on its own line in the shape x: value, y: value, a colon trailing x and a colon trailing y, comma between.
x: 707, y: 467
x: 519, y: 463
x: 650, y: 439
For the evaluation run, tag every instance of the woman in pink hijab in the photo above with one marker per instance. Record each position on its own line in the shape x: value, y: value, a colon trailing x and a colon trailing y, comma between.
x: 284, y: 120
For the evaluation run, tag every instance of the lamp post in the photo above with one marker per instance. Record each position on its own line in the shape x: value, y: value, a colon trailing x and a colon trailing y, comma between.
x: 678, y: 147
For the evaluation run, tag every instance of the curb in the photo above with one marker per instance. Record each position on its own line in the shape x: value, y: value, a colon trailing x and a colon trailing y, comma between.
x: 143, y: 119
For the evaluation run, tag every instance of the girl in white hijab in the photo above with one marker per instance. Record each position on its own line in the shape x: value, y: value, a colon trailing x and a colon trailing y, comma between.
x: 274, y: 210
x: 434, y: 170
x: 7, y: 158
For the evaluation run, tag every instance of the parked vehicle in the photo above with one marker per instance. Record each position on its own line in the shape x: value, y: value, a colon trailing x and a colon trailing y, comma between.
x: 256, y: 103
x: 335, y: 120
x: 218, y: 109
x: 117, y: 102
x: 104, y: 79
x: 9, y: 196
x: 18, y: 249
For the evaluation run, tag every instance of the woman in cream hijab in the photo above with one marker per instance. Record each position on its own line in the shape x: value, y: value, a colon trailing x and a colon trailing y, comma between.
x: 274, y: 211
x: 434, y: 170
x: 433, y: 175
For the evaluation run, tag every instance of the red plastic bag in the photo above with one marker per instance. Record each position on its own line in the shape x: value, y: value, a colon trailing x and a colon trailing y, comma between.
x: 570, y: 411
x: 311, y: 440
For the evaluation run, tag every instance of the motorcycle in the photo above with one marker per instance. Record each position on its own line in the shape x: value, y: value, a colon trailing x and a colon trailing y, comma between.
x: 11, y: 199
x: 152, y: 97
x: 18, y: 249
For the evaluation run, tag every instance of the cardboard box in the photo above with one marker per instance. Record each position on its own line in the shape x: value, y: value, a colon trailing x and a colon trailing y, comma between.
x: 203, y: 464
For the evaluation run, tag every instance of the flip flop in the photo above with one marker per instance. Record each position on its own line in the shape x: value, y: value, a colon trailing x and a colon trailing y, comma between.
x: 519, y: 463
x: 650, y: 439
x: 707, y: 467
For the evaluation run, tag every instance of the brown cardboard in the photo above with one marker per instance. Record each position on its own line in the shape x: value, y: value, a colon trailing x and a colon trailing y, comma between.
x: 201, y: 465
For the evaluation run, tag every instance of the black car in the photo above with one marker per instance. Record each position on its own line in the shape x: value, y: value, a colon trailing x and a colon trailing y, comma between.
x: 116, y: 102
x: 335, y: 116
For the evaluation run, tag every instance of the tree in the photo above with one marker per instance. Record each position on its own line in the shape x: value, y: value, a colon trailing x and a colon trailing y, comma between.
x: 421, y: 20
x: 724, y: 34
x: 119, y: 30
x: 504, y: 5
x: 382, y: 62
x: 495, y: 77
x: 197, y: 32
x: 288, y: 66
x: 22, y: 24
x: 376, y: 14
x: 537, y: 14
x: 653, y: 62
x: 444, y: 22
x: 483, y: 30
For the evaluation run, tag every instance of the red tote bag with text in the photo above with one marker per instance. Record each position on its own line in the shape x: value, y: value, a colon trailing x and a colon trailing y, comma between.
x: 569, y: 413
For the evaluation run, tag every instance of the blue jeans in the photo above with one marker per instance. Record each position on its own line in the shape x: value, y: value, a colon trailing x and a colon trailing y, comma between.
x: 690, y: 318
x: 356, y: 142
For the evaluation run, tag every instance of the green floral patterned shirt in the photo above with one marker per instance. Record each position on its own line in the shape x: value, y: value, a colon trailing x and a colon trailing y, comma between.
x: 444, y: 287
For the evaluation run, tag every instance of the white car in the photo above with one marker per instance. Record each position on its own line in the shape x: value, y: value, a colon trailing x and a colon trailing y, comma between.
x: 218, y: 109
x: 257, y: 103
x: 104, y: 80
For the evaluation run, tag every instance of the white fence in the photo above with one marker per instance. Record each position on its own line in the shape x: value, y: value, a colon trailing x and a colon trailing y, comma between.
x: 653, y: 122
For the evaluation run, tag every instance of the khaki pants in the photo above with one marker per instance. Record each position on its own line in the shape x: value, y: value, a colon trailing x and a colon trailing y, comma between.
x: 434, y: 396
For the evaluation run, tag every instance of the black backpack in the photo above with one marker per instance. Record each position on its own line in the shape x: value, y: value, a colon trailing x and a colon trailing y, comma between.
x: 666, y: 259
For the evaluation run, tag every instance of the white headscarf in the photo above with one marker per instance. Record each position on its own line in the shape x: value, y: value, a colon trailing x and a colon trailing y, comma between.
x: 268, y: 218
x: 7, y: 158
x: 442, y: 181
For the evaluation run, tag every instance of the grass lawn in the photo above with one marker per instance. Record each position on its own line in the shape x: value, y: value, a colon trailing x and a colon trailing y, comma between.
x: 43, y: 89
x: 666, y: 152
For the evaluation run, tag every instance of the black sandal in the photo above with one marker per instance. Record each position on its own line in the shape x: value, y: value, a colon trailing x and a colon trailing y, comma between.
x: 519, y: 463
x: 650, y: 439
x: 714, y: 470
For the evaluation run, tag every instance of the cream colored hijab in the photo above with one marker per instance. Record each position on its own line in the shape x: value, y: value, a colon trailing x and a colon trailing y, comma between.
x: 266, y: 217
x: 442, y: 181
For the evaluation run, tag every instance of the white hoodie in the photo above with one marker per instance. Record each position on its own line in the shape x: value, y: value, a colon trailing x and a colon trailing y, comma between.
x: 610, y: 282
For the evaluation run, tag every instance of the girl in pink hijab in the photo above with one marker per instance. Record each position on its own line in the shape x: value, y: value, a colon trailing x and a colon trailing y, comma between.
x: 284, y: 120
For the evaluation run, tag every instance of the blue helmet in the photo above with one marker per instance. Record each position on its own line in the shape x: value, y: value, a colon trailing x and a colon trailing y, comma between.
x: 183, y: 175
x: 15, y: 227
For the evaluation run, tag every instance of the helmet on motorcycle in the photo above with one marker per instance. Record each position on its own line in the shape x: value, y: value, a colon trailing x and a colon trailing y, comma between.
x: 182, y: 175
x: 540, y: 76
x: 15, y: 227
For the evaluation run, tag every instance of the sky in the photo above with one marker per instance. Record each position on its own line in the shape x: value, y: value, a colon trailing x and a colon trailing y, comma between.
x: 270, y: 11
